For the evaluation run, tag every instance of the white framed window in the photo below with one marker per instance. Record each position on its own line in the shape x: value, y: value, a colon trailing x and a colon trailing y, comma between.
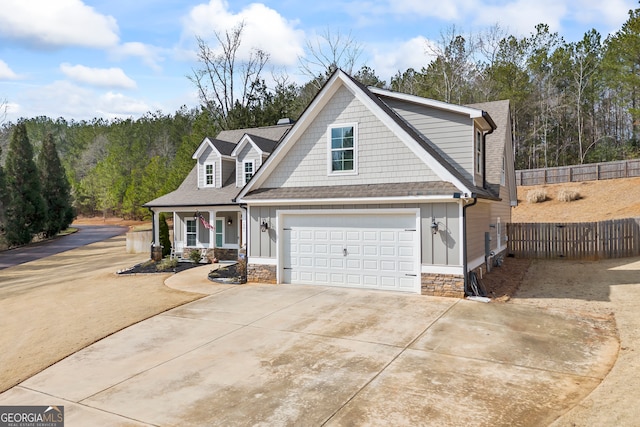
x: 209, y: 175
x: 503, y: 172
x: 343, y: 149
x: 220, y: 232
x: 191, y: 232
x: 248, y: 169
x: 478, y: 151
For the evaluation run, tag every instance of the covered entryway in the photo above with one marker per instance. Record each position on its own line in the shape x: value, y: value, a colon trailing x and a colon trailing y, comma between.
x: 361, y: 250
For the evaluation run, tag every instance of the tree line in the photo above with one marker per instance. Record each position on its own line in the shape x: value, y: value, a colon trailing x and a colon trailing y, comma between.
x: 572, y: 103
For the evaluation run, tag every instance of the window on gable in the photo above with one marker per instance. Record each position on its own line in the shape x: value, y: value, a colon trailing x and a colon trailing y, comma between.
x: 343, y: 147
x: 479, y: 151
x: 209, y: 177
x: 248, y: 170
x: 503, y: 172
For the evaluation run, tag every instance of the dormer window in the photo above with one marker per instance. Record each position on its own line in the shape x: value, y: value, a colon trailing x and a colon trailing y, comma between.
x: 343, y: 150
x: 209, y: 176
x: 248, y: 168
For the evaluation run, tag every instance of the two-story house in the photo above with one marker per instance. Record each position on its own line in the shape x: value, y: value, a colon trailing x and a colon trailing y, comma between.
x: 368, y: 189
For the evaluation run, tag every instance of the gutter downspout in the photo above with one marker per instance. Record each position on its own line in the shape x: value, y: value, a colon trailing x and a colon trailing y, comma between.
x: 464, y: 240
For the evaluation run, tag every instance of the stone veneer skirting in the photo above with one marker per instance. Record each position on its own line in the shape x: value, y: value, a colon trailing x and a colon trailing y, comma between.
x: 226, y: 254
x: 442, y: 285
x: 261, y: 273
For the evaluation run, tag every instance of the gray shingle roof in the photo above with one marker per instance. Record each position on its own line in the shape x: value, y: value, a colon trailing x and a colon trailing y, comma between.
x: 188, y: 194
x: 437, y: 188
x: 274, y: 133
x: 266, y: 145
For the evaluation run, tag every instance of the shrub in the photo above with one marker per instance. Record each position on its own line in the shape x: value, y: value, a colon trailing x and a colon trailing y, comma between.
x: 164, y: 235
x: 568, y: 195
x: 167, y: 264
x: 195, y: 256
x: 537, y: 196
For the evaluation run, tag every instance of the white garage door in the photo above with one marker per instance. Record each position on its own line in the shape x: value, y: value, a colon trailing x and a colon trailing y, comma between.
x: 364, y: 251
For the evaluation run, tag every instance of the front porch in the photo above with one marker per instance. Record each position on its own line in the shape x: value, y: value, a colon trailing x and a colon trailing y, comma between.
x: 218, y: 232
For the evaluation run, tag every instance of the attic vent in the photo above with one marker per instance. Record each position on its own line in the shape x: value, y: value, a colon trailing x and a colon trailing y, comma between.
x: 285, y: 121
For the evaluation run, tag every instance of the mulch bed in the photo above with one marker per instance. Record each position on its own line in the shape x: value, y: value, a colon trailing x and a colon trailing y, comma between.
x: 227, y: 274
x: 150, y: 267
x: 503, y: 282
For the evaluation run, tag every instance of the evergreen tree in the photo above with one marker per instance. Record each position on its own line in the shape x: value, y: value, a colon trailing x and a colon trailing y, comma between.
x: 164, y: 235
x: 26, y: 209
x: 3, y: 202
x: 55, y: 189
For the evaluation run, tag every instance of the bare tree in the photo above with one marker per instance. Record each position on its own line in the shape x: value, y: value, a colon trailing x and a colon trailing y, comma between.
x: 225, y: 82
x: 329, y: 52
x: 454, y: 66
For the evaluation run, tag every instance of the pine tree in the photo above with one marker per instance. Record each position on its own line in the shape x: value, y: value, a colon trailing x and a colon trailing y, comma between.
x: 3, y: 202
x: 26, y: 209
x: 55, y: 189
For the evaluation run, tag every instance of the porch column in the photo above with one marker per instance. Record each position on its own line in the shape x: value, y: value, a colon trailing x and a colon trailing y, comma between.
x: 212, y: 232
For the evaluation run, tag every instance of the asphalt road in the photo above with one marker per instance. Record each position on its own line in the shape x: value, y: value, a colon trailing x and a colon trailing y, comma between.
x: 86, y: 235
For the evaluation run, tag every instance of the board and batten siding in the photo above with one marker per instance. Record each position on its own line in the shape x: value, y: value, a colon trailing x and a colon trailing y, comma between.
x: 247, y: 153
x: 442, y: 248
x: 450, y: 133
x: 382, y: 157
x: 228, y: 170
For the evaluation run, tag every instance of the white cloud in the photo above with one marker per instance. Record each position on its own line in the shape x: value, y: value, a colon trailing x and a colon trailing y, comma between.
x: 520, y: 17
x: 264, y: 28
x: 105, y: 77
x: 118, y: 105
x: 389, y: 58
x: 65, y: 99
x: 56, y: 23
x: 441, y: 9
x: 148, y: 54
x: 6, y: 73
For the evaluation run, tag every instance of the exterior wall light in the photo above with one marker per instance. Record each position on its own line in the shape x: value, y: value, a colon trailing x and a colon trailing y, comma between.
x: 434, y: 226
x: 229, y: 221
x: 264, y: 226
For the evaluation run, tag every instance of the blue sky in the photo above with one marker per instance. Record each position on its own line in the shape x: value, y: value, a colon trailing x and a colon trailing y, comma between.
x: 121, y: 58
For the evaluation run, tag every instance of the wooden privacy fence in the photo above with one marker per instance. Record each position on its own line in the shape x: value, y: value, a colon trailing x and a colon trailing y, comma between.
x: 578, y: 173
x: 585, y: 240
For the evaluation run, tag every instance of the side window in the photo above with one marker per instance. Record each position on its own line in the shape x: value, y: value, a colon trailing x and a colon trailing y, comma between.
x: 478, y: 152
x: 343, y: 149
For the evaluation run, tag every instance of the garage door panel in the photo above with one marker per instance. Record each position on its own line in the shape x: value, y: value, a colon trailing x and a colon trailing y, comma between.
x: 354, y: 264
x: 387, y: 236
x: 387, y: 251
x: 388, y: 265
x: 370, y: 265
x: 338, y: 263
x: 366, y: 251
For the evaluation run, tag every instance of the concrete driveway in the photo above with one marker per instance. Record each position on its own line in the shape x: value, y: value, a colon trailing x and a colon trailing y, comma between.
x: 307, y: 355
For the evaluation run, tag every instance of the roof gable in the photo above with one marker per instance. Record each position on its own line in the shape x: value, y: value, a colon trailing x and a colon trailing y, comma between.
x: 263, y: 146
x: 223, y: 148
x: 413, y: 140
